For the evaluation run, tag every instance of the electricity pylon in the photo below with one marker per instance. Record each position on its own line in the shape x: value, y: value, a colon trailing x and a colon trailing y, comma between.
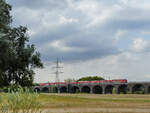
x: 57, y: 72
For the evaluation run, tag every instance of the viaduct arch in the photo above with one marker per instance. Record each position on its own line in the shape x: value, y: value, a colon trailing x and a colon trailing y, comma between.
x: 97, y: 88
x: 109, y: 89
x: 85, y: 89
x: 75, y: 89
x: 63, y: 89
x: 122, y: 89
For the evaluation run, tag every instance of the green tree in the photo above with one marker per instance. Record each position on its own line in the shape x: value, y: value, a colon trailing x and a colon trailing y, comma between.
x: 18, y: 58
x: 5, y: 51
x: 69, y: 80
x: 5, y: 18
x: 90, y: 78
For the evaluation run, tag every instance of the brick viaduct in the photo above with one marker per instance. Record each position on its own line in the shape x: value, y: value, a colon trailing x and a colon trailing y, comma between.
x: 97, y: 88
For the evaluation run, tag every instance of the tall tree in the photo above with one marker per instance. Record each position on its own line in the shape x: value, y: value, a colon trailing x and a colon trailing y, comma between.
x: 18, y: 58
x: 5, y: 20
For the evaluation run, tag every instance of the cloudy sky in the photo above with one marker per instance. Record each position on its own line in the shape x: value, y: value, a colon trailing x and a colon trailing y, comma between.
x: 110, y: 38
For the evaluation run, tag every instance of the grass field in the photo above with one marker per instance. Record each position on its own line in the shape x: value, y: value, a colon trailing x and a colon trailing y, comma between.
x: 73, y: 103
x: 92, y: 103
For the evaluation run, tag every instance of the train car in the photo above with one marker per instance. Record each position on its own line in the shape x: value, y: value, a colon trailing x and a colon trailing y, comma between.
x: 120, y: 80
x: 87, y: 82
x: 44, y: 84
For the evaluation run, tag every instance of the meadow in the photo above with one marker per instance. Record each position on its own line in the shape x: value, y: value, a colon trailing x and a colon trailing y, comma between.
x: 94, y: 103
x: 73, y: 103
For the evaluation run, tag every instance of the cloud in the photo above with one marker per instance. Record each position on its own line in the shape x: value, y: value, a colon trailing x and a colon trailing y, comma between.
x: 93, y: 42
x: 120, y: 34
x: 140, y: 45
x: 38, y: 4
x: 92, y: 31
x: 126, y: 65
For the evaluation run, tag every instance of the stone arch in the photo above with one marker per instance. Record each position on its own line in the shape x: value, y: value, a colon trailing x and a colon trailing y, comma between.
x: 37, y: 90
x: 122, y: 89
x: 85, y: 89
x: 97, y: 89
x: 45, y: 90
x: 54, y: 89
x: 109, y: 89
x: 148, y: 90
x: 138, y: 88
x: 75, y: 89
x: 63, y: 89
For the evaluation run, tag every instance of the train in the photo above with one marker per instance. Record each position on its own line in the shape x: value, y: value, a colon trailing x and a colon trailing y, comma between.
x: 87, y: 82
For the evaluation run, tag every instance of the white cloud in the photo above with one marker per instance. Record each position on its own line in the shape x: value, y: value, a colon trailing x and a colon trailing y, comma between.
x: 119, y: 34
x: 140, y: 45
x: 144, y: 4
x: 64, y: 20
x: 126, y: 65
x: 60, y: 45
x: 90, y: 32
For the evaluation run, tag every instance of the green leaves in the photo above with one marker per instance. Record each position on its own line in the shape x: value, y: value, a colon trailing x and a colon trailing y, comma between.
x: 25, y: 58
x: 5, y: 18
x: 18, y: 58
x: 90, y: 78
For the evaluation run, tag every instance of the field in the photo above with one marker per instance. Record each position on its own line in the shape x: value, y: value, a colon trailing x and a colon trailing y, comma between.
x: 21, y: 102
x: 92, y: 103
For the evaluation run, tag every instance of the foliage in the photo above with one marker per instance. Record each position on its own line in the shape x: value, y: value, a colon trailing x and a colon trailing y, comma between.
x: 53, y: 89
x: 18, y: 58
x: 70, y: 80
x: 36, y: 84
x: 114, y: 90
x: 138, y: 92
x: 14, y: 88
x: 5, y: 18
x: 90, y: 78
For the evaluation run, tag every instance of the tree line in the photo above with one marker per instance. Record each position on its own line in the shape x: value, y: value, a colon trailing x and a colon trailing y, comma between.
x: 86, y: 78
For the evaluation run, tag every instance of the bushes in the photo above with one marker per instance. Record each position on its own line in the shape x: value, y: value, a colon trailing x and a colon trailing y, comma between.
x: 114, y: 91
x: 14, y: 88
x: 36, y: 84
x: 138, y: 92
x: 90, y: 78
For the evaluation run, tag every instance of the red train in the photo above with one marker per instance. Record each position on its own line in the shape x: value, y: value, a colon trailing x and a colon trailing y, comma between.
x: 82, y: 82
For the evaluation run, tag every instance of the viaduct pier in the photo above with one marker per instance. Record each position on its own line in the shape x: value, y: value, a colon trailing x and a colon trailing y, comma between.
x: 96, y: 87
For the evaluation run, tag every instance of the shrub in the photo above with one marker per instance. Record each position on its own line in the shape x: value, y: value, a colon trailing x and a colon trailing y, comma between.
x: 138, y: 92
x: 5, y: 89
x: 90, y: 78
x: 77, y: 91
x: 114, y: 91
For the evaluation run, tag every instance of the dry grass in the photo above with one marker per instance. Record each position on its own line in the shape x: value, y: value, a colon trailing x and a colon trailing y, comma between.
x: 76, y: 103
x: 22, y: 101
x: 91, y: 103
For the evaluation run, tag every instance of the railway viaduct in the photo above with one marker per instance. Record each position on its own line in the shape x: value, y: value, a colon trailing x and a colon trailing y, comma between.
x: 97, y: 88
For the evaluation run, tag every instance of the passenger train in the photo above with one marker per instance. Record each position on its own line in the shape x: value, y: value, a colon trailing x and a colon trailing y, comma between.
x: 87, y: 82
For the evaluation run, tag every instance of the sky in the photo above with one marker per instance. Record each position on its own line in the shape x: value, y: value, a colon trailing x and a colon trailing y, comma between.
x: 108, y: 38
